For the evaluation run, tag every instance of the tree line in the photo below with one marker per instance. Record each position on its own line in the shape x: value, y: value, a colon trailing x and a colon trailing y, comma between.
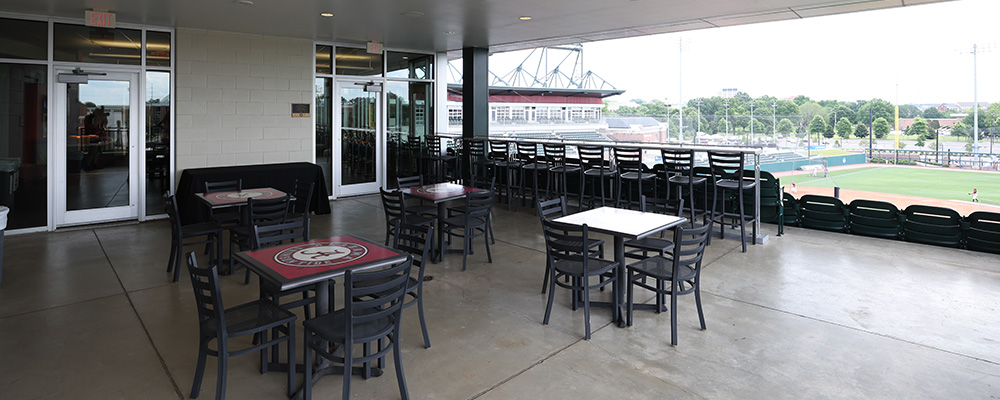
x: 801, y: 115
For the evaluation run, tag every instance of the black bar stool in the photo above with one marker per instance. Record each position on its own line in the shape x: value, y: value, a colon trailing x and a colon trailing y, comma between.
x: 504, y: 168
x: 530, y: 164
x: 728, y: 166
x: 678, y: 164
x: 630, y: 170
x: 559, y: 170
x: 595, y: 166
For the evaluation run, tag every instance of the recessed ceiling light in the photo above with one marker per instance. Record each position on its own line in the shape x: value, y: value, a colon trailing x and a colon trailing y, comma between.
x: 406, y: 57
x: 449, y: 32
x: 525, y: 17
x: 326, y: 14
x: 244, y: 2
x: 412, y: 14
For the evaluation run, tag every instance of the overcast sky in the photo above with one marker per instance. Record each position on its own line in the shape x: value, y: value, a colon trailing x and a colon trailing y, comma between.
x: 920, y: 53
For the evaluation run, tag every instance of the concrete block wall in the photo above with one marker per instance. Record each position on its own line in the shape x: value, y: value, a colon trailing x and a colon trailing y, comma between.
x: 233, y: 99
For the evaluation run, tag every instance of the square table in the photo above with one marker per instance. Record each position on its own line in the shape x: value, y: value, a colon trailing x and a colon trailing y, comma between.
x: 439, y: 193
x: 316, y: 262
x: 233, y: 198
x: 623, y: 224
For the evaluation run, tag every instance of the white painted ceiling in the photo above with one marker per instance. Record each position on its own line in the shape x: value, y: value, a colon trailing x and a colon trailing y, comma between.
x: 450, y: 25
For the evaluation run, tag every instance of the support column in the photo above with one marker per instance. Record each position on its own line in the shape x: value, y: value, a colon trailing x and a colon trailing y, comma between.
x: 475, y: 100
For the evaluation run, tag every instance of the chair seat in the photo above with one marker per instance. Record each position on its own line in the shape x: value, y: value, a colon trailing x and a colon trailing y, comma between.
x: 734, y: 184
x: 201, y: 229
x: 565, y: 169
x: 331, y: 326
x: 651, y: 244
x: 684, y: 180
x: 535, y: 166
x: 415, y: 219
x: 459, y: 221
x: 422, y: 209
x: 252, y: 317
x: 575, y: 268
x: 591, y: 243
x: 637, y: 176
x: 600, y: 172
x: 661, y: 268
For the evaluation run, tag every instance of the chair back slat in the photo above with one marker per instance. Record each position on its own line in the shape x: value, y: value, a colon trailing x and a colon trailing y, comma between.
x: 270, y: 235
x: 628, y: 159
x: 223, y: 186
x: 592, y: 156
x: 372, y: 295
x: 690, y: 245
x: 303, y: 192
x: 205, y: 282
x: 267, y: 210
x: 554, y: 208
x: 566, y: 242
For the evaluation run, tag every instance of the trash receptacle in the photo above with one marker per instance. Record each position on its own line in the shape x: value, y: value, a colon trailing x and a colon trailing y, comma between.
x: 3, y: 227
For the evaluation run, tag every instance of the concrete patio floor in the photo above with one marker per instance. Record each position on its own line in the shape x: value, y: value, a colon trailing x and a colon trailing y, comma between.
x: 90, y: 313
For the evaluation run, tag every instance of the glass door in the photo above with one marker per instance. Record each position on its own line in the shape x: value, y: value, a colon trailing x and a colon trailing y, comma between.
x: 359, y: 141
x: 96, y: 156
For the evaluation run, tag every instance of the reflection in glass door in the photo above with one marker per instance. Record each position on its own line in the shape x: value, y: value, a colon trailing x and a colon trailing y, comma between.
x: 359, y: 142
x: 407, y: 122
x: 99, y: 164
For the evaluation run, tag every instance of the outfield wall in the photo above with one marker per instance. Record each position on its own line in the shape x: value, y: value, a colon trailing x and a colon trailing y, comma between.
x: 832, y: 161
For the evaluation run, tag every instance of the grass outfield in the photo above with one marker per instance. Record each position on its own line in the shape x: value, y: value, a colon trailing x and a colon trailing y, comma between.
x: 944, y: 184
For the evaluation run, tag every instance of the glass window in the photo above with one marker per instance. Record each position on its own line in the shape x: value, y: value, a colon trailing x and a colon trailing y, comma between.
x: 323, y: 57
x: 24, y: 155
x: 157, y: 49
x: 78, y: 43
x: 157, y: 139
x: 409, y: 65
x: 408, y: 122
x: 324, y: 128
x: 26, y: 40
x: 357, y: 62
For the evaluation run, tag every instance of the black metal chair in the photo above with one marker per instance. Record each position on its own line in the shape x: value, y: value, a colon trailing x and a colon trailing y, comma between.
x: 678, y: 164
x: 595, y: 167
x: 555, y: 208
x: 416, y: 240
x: 570, y: 258
x: 416, y: 207
x: 504, y: 168
x: 439, y: 158
x: 480, y: 163
x: 631, y: 170
x: 270, y: 235
x: 682, y: 270
x: 395, y: 210
x: 258, y: 212
x: 370, y: 317
x: 485, y: 184
x: 300, y: 209
x: 226, y: 218
x: 728, y: 166
x: 640, y: 248
x: 202, y: 233
x: 560, y: 170
x: 473, y: 223
x: 217, y: 323
x: 530, y: 164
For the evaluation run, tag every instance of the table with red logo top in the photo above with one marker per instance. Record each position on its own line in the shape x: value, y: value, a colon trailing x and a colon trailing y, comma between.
x: 439, y: 193
x: 231, y: 198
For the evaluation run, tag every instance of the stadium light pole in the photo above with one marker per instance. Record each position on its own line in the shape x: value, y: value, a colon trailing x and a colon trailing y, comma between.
x: 751, y: 123
x: 727, y: 119
x: 871, y: 132
x: 975, y: 106
x: 774, y: 122
x: 699, y: 115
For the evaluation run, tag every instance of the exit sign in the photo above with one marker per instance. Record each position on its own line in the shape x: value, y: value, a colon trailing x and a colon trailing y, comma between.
x: 374, y: 48
x: 100, y: 19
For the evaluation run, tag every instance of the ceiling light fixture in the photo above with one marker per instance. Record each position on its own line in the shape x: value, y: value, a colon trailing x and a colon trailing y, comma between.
x: 449, y: 32
x: 412, y: 14
x: 525, y: 17
x: 326, y: 14
x: 244, y: 2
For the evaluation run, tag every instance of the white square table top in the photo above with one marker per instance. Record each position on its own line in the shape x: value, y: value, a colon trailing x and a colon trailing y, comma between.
x: 622, y: 222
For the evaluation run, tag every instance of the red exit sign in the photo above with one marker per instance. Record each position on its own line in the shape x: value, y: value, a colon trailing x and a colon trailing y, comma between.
x: 100, y: 19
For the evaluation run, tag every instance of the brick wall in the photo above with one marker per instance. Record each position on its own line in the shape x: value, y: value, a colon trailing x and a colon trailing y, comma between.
x: 233, y: 99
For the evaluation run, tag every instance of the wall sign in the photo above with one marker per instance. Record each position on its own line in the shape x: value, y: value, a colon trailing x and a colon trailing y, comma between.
x: 100, y: 19
x: 300, y: 110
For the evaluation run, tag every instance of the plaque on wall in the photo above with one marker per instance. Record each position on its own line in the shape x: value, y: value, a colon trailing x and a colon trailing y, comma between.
x: 300, y: 110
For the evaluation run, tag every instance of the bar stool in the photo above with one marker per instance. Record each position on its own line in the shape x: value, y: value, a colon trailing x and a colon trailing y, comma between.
x: 559, y: 170
x: 630, y: 170
x: 415, y: 151
x: 530, y: 164
x: 678, y: 164
x: 728, y: 166
x: 503, y: 167
x: 594, y: 167
x: 480, y: 164
x: 438, y: 159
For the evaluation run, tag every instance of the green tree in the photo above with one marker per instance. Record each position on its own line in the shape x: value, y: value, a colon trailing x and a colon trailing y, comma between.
x: 879, y: 109
x: 809, y: 111
x: 919, y: 129
x: 844, y: 128
x: 920, y: 141
x: 801, y: 99
x: 909, y: 111
x: 932, y: 112
x: 881, y: 128
x: 860, y: 130
x: 960, y: 129
x: 785, y: 126
x: 817, y: 125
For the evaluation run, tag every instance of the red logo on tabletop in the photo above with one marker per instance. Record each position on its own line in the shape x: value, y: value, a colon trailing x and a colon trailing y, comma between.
x: 439, y: 190
x: 322, y: 254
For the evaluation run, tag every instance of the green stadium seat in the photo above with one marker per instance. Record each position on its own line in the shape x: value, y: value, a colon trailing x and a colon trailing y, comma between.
x: 823, y: 212
x: 982, y: 232
x: 874, y: 218
x: 932, y: 225
x: 790, y: 209
x: 771, y: 204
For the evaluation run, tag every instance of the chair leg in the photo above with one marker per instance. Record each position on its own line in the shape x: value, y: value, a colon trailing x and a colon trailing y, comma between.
x: 308, y: 366
x: 398, y: 360
x: 673, y: 313
x: 423, y: 322
x: 697, y: 302
x: 629, y: 292
x: 348, y: 363
x: 552, y: 287
x: 585, y: 283
x: 199, y: 371
x: 220, y: 385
